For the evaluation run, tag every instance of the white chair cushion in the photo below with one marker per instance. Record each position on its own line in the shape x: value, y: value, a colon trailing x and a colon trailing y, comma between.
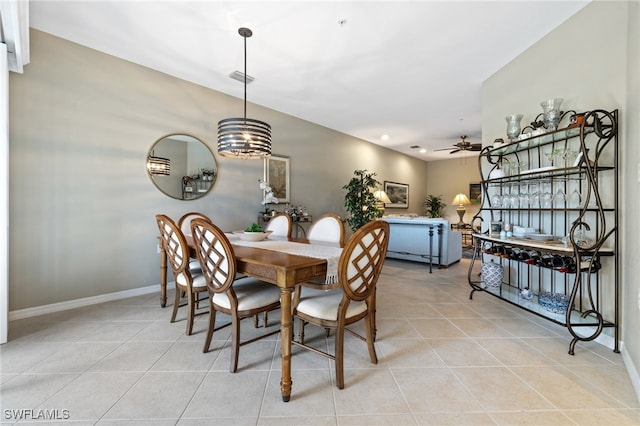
x: 194, y: 266
x: 324, y: 304
x: 199, y: 281
x: 251, y: 293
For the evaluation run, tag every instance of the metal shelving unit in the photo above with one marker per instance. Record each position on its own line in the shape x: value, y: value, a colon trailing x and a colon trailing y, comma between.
x: 570, y: 214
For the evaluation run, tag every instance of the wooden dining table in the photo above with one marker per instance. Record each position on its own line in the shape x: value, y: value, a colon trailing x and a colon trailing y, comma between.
x: 281, y: 269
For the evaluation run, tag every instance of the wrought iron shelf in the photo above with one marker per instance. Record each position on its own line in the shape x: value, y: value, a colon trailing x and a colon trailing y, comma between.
x: 589, y: 274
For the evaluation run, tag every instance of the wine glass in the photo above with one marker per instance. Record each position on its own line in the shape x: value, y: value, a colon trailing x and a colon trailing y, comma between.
x: 534, y: 195
x: 524, y: 195
x: 559, y: 198
x: 546, y: 196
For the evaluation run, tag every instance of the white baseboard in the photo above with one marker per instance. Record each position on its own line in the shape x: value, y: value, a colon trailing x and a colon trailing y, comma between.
x: 85, y: 301
x: 632, y: 371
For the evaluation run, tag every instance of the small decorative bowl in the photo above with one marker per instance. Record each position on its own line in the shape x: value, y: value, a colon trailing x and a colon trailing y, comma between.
x: 252, y: 236
x: 554, y: 302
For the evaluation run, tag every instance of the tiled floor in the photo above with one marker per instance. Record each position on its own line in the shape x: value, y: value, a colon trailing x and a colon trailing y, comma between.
x: 443, y: 359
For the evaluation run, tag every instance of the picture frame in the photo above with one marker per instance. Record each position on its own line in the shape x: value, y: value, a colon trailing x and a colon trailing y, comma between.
x: 398, y: 193
x: 278, y: 171
x: 475, y: 192
x: 495, y: 228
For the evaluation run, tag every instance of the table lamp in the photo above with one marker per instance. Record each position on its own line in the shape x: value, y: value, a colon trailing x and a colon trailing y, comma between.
x: 461, y: 200
x: 382, y: 198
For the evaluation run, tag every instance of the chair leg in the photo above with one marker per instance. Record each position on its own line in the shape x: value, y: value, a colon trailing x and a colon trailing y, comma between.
x: 265, y: 318
x: 212, y: 326
x: 176, y: 303
x: 370, y: 330
x: 339, y: 355
x: 235, y: 342
x: 301, y: 331
x: 256, y: 319
x: 191, y: 306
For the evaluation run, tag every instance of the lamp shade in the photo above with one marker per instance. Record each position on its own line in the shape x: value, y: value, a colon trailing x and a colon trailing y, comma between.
x: 244, y: 138
x: 382, y: 197
x: 461, y: 199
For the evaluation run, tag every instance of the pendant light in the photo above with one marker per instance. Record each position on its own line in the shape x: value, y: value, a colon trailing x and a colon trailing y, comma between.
x: 158, y: 166
x: 244, y: 138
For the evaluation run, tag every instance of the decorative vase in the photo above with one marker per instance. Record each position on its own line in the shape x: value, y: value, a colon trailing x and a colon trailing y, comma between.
x: 513, y: 125
x: 551, y: 113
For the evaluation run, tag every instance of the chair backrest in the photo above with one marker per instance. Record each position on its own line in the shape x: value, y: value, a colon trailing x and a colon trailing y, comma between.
x: 185, y: 221
x: 362, y: 259
x: 281, y: 225
x: 175, y: 246
x: 214, y: 251
x: 327, y: 228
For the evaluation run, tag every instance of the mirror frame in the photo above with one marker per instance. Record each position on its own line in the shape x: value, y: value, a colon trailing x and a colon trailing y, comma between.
x: 196, y: 179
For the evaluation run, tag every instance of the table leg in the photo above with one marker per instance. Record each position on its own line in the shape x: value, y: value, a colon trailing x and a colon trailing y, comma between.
x: 286, y: 334
x: 163, y: 276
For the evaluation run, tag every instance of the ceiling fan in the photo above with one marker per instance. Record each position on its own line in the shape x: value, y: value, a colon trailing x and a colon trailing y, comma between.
x: 463, y: 145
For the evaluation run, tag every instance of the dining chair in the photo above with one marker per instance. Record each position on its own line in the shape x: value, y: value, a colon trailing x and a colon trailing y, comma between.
x: 350, y: 300
x: 327, y: 228
x: 185, y: 221
x: 240, y: 298
x: 281, y: 225
x: 188, y: 280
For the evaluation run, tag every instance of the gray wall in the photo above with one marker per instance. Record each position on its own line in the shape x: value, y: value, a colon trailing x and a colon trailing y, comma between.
x: 592, y: 61
x: 82, y: 206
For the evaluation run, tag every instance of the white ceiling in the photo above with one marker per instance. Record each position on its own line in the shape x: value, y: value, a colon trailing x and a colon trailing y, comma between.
x: 410, y: 70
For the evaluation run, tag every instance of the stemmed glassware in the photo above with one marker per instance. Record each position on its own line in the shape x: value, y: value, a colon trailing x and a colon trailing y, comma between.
x: 524, y: 195
x: 559, y: 198
x: 534, y: 194
x: 546, y: 196
x: 551, y: 113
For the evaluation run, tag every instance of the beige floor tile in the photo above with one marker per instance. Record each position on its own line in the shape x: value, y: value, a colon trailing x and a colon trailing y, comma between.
x: 587, y: 416
x: 91, y: 395
x: 564, y: 389
x: 377, y: 420
x: 312, y: 395
x: 513, y: 352
x: 30, y: 390
x: 434, y: 390
x: 614, y: 380
x: 497, y: 388
x: 369, y: 392
x: 480, y: 328
x: 462, y: 352
x: 436, y: 328
x: 408, y: 353
x: 454, y: 419
x: 187, y: 356
x: 242, y: 395
x: 75, y: 357
x: 157, y: 396
x: 132, y: 356
x: 532, y: 418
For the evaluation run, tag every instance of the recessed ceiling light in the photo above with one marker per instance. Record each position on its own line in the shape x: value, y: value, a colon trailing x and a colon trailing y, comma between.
x: 384, y: 137
x: 423, y: 151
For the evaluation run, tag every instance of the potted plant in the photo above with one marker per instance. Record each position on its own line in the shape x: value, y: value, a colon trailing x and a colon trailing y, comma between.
x: 433, y: 205
x: 360, y: 201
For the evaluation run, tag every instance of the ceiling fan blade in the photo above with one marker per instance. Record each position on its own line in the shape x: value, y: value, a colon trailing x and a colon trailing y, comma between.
x: 443, y: 149
x: 455, y: 150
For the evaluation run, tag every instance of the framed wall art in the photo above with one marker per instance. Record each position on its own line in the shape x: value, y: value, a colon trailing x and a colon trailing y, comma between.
x: 398, y: 194
x: 475, y: 192
x: 278, y: 176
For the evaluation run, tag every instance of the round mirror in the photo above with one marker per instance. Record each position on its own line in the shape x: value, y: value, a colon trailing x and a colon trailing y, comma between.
x: 182, y: 167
